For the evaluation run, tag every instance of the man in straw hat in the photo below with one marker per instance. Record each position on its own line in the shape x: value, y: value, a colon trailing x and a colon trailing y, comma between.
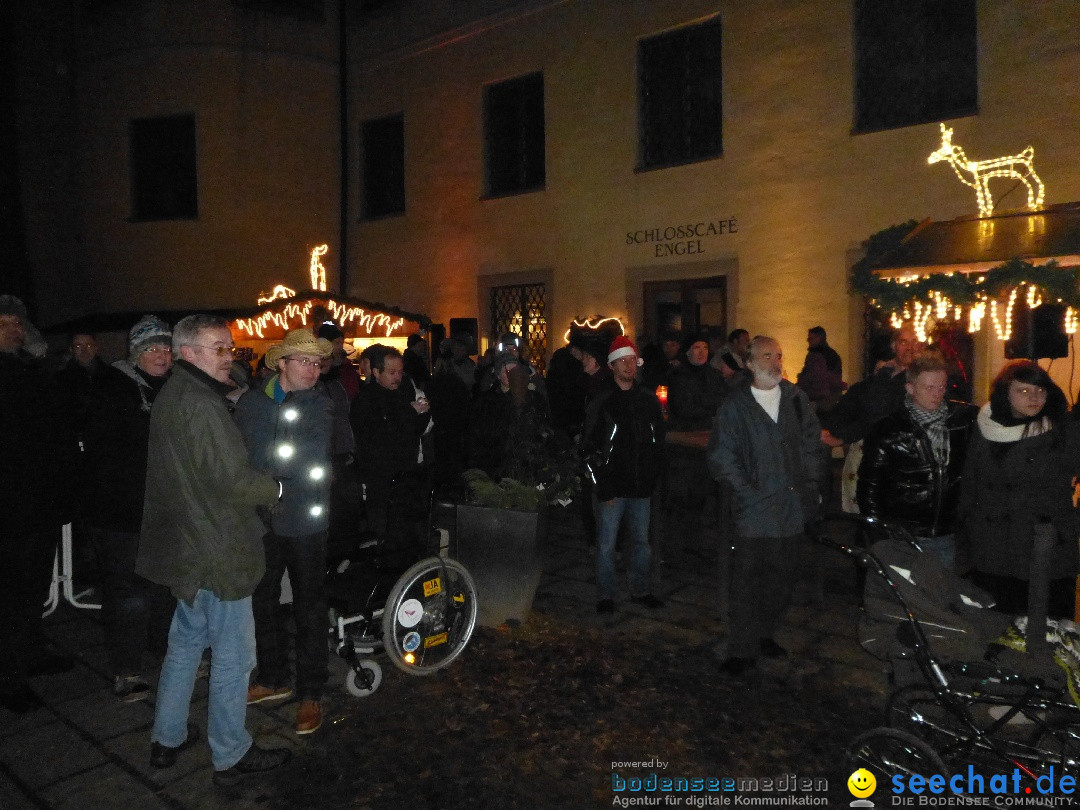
x: 287, y: 427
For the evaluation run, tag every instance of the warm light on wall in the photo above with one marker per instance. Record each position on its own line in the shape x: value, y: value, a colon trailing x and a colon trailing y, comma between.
x: 979, y: 173
x: 1070, y: 321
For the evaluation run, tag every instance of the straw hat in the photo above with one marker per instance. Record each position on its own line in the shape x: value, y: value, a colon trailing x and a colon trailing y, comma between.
x: 298, y: 341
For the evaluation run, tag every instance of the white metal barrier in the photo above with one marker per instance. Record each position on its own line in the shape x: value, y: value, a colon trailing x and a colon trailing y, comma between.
x: 63, y: 582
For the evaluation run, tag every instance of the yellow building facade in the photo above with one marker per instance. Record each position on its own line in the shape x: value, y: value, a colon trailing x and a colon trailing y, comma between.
x: 760, y: 235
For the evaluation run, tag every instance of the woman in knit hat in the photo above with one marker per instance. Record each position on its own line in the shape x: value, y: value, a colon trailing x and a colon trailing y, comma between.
x: 136, y: 612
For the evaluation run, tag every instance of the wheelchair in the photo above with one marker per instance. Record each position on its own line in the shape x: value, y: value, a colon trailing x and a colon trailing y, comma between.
x: 421, y: 618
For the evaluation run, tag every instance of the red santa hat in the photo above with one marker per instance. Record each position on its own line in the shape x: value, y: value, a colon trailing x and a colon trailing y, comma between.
x: 622, y: 346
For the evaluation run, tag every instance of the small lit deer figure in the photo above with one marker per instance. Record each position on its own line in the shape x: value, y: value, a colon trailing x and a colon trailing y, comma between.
x: 977, y: 173
x: 318, y: 269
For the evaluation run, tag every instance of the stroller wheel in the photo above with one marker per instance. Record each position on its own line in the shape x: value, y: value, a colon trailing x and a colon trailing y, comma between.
x: 429, y: 616
x: 886, y: 752
x: 364, y: 678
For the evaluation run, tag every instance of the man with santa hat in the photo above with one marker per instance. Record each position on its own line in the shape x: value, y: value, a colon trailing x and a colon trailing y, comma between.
x: 623, y: 443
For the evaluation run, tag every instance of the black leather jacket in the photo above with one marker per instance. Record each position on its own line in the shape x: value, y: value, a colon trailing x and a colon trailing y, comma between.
x: 899, y: 479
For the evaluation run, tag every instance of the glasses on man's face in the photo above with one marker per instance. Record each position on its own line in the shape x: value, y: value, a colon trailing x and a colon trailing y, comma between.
x: 158, y: 350
x: 220, y: 351
x: 82, y: 345
x: 302, y: 361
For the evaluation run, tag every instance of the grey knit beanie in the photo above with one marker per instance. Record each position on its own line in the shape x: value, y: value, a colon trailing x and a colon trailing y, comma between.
x: 149, y: 330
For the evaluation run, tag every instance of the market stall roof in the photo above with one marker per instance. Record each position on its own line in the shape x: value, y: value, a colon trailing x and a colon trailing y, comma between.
x: 353, y: 310
x: 273, y: 317
x: 974, y: 244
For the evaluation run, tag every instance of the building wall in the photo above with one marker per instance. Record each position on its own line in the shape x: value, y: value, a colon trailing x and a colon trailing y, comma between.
x: 263, y: 89
x: 803, y: 190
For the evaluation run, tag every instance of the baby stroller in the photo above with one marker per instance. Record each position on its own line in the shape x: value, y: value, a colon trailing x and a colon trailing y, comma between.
x: 421, y: 614
x: 972, y: 687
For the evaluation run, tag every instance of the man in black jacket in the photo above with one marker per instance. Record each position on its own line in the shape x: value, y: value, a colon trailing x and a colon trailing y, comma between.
x: 388, y: 422
x: 623, y: 440
x: 912, y: 460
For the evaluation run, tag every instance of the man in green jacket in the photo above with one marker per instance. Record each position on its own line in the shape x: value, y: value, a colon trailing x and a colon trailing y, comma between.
x: 202, y: 538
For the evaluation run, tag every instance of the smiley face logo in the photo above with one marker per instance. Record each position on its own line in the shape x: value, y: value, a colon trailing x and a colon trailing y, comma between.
x: 861, y: 783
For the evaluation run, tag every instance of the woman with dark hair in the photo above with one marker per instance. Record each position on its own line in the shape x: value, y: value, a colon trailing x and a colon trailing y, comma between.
x: 1020, y: 470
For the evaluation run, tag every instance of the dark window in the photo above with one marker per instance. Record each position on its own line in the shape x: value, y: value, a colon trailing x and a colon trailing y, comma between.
x: 297, y: 9
x: 514, y: 128
x: 915, y: 62
x: 163, y: 178
x: 679, y: 96
x: 383, y: 182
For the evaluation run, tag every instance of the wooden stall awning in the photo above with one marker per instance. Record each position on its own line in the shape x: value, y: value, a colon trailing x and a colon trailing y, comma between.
x: 972, y: 244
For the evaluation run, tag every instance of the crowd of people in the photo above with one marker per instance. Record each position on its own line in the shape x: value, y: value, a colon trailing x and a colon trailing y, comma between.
x: 198, y: 482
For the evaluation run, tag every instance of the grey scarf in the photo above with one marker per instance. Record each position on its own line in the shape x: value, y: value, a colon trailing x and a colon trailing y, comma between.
x: 933, y: 422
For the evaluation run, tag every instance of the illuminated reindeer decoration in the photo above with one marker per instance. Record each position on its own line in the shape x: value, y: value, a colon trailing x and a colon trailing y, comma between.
x: 977, y: 173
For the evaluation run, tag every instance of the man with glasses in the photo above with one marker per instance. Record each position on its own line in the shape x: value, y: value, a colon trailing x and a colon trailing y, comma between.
x: 202, y: 538
x: 287, y: 426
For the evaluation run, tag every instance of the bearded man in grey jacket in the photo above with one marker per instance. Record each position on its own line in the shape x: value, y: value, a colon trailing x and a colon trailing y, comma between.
x: 764, y: 451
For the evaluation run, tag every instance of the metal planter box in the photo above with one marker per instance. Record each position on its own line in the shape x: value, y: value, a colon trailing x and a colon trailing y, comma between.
x: 501, y: 549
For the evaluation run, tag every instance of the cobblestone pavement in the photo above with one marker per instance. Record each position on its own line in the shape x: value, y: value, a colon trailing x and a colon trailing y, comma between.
x: 435, y: 742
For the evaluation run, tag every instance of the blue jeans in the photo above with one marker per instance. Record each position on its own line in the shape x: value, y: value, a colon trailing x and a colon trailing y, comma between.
x: 228, y: 629
x: 608, y: 515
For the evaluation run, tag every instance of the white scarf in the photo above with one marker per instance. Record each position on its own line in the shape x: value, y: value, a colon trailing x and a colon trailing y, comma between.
x: 1003, y: 434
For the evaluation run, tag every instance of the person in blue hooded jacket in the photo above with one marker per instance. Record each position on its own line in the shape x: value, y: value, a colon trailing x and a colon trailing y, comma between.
x: 287, y: 426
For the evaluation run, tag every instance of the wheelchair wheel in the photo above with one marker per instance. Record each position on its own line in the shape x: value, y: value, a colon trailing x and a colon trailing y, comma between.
x: 429, y: 616
x: 364, y: 678
x: 886, y: 752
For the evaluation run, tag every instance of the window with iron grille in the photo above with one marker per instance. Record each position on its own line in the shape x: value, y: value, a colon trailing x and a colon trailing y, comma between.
x: 383, y: 181
x: 519, y: 308
x: 679, y: 96
x: 514, y: 135
x: 163, y: 175
x: 916, y: 61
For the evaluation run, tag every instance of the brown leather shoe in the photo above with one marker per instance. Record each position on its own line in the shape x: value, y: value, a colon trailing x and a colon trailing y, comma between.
x: 308, y: 717
x: 257, y: 693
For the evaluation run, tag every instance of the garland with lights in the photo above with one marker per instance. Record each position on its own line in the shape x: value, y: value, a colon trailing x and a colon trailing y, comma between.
x: 949, y: 294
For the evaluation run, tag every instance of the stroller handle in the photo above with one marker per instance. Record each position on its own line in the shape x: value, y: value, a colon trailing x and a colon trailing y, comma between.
x: 864, y: 522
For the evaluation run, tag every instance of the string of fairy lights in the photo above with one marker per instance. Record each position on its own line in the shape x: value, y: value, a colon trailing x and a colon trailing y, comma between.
x: 992, y: 297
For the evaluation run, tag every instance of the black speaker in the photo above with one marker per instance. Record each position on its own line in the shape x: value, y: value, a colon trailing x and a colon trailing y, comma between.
x: 437, y: 331
x: 466, y: 329
x: 1038, y: 332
